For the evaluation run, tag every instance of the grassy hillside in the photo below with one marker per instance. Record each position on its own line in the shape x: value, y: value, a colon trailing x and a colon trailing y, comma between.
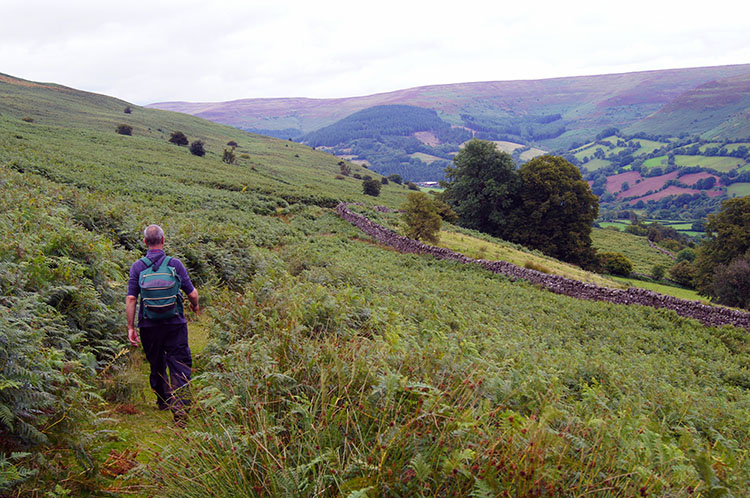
x: 333, y: 366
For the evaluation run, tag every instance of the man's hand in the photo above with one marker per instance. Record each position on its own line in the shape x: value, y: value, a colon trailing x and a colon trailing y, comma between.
x: 193, y: 298
x: 133, y: 337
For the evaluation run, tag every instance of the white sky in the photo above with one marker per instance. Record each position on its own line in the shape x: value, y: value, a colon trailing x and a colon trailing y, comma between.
x: 198, y: 50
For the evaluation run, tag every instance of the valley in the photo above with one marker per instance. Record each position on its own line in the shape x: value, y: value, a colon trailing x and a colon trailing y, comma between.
x: 327, y: 362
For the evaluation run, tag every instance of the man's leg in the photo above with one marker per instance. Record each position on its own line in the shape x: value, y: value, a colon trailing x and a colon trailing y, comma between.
x: 180, y: 364
x: 152, y: 339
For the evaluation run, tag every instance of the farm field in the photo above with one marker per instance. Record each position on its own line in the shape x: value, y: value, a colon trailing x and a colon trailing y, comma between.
x: 723, y: 164
x: 329, y: 365
x: 426, y: 158
x: 596, y: 164
x: 739, y: 189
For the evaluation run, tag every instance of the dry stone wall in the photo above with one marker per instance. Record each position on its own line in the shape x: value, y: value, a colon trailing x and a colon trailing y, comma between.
x: 709, y: 315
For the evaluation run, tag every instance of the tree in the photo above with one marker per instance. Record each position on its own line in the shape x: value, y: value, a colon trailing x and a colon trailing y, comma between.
x: 556, y: 211
x: 127, y: 110
x: 345, y: 168
x: 124, y: 129
x: 396, y: 179
x: 178, y: 138
x: 371, y: 187
x: 731, y: 283
x: 384, y: 181
x: 232, y: 143
x: 683, y: 273
x: 228, y: 156
x: 420, y: 213
x: 482, y: 187
x: 197, y: 149
x: 728, y: 237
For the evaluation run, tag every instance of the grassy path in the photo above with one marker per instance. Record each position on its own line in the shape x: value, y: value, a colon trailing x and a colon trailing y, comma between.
x: 142, y: 430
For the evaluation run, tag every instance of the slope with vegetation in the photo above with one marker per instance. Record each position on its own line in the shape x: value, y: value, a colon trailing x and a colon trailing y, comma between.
x: 334, y: 366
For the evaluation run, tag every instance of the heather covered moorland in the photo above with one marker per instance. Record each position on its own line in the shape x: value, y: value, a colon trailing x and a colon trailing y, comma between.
x: 330, y: 364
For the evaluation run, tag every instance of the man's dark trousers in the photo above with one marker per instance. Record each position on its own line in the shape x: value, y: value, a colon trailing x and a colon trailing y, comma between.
x: 167, y: 347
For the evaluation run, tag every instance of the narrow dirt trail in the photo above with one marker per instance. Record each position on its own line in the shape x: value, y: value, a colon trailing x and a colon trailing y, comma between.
x: 141, y: 428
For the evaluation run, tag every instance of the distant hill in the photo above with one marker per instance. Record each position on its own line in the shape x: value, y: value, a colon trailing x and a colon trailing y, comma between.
x: 585, y: 104
x: 554, y: 115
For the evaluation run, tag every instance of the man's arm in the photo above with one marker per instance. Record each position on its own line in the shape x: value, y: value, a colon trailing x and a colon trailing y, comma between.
x: 130, y: 302
x: 193, y: 298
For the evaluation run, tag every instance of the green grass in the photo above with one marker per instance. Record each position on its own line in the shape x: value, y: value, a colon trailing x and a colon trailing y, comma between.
x: 426, y: 158
x: 596, y: 164
x: 334, y: 366
x: 669, y: 290
x: 635, y: 248
x: 499, y: 250
x: 655, y: 162
x: 739, y: 189
x: 723, y: 164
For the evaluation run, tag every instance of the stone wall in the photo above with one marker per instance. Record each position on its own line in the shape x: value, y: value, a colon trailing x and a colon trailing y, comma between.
x: 709, y: 315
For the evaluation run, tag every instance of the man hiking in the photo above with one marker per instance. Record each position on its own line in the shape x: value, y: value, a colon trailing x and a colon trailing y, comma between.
x: 158, y: 279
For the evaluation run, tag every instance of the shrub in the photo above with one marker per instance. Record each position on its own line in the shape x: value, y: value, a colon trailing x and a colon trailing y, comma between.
x: 384, y: 181
x: 124, y: 129
x: 127, y: 110
x: 346, y: 170
x: 232, y: 143
x: 228, y: 156
x: 657, y: 272
x: 340, y: 177
x: 421, y: 216
x: 357, y: 176
x: 178, y: 138
x: 197, y: 149
x: 396, y: 179
x: 683, y: 273
x: 615, y: 263
x: 731, y: 283
x: 412, y: 186
x: 27, y: 119
x: 371, y: 187
x: 686, y: 254
x: 367, y: 177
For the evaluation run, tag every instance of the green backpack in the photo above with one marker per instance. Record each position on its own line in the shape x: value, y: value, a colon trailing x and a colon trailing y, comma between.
x: 160, y: 290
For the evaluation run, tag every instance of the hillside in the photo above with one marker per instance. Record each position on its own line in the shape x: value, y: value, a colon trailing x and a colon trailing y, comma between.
x: 586, y: 104
x: 545, y: 115
x: 334, y: 366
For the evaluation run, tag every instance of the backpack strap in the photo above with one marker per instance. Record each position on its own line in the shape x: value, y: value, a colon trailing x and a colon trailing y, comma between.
x: 147, y: 261
x: 164, y: 263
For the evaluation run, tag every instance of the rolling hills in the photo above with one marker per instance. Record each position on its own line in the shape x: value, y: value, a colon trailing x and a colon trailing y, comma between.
x: 559, y: 115
x: 334, y: 365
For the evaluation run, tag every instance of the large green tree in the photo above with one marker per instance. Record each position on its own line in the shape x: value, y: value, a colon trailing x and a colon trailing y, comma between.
x: 482, y: 187
x: 556, y: 210
x: 728, y: 239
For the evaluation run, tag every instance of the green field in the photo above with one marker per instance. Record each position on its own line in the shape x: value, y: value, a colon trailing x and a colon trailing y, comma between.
x: 723, y: 164
x: 427, y: 158
x: 327, y: 365
x: 647, y: 146
x: 739, y: 189
x: 596, y: 164
x: 655, y: 162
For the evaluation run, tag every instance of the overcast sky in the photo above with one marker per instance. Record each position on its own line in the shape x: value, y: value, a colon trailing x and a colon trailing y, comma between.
x: 199, y: 50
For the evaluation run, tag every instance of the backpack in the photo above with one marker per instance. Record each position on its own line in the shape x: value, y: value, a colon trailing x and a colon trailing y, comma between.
x: 160, y: 290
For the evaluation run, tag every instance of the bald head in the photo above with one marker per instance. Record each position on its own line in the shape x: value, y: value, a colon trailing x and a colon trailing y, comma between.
x: 153, y: 236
